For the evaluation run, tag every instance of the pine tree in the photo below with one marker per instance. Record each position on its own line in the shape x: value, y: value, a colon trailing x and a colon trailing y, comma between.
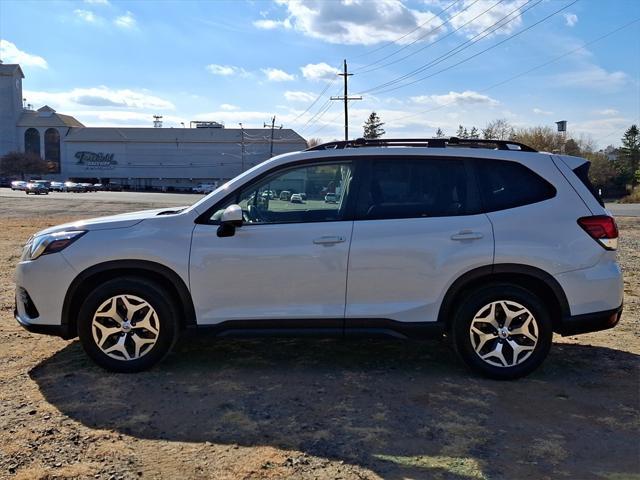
x: 439, y: 133
x: 373, y: 126
x: 630, y: 154
x: 460, y: 132
x: 474, y: 133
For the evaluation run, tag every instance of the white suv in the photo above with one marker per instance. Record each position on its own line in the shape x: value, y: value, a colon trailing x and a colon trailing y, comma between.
x: 488, y: 243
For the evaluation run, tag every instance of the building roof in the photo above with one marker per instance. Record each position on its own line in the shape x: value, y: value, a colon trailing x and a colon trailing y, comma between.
x: 182, y: 135
x: 9, y: 69
x: 47, y: 117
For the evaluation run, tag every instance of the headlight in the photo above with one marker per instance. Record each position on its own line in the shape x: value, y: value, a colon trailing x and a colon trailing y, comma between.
x: 50, y: 243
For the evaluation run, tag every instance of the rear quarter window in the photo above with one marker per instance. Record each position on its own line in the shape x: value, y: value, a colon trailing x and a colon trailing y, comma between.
x: 504, y: 184
x: 582, y: 172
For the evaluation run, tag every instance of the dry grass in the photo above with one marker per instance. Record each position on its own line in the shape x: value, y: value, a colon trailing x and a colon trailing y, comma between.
x: 230, y: 409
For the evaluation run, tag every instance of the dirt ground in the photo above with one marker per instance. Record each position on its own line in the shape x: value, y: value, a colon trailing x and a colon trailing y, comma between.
x: 312, y: 409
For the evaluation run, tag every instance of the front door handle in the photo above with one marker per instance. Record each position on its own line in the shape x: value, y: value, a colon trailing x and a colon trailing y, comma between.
x: 329, y: 240
x: 466, y: 235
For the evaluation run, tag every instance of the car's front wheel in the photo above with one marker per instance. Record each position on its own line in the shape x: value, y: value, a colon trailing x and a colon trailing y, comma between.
x: 128, y: 324
x: 502, y: 331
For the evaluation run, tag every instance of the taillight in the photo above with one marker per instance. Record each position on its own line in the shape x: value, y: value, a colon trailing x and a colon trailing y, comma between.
x: 602, y: 228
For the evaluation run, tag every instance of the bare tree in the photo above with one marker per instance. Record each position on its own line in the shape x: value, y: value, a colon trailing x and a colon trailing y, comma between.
x: 499, y: 129
x: 20, y: 164
x: 312, y: 142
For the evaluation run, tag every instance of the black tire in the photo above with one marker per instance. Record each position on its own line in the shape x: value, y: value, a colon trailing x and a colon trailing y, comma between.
x: 156, y: 297
x: 481, y: 298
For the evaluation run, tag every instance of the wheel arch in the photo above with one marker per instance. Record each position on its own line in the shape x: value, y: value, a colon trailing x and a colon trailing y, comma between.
x: 93, y: 276
x: 532, y: 278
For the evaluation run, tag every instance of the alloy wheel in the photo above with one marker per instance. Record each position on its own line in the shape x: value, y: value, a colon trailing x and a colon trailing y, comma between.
x: 125, y: 327
x: 504, y: 333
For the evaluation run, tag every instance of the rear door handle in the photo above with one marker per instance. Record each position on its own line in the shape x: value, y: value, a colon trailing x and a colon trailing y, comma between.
x: 466, y: 235
x: 329, y: 240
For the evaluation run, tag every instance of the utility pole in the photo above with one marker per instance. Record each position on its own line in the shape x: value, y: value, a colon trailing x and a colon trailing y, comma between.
x: 345, y: 97
x: 242, y: 145
x: 273, y: 126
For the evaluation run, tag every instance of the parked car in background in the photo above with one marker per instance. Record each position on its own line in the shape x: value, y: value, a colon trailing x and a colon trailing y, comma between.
x: 331, y: 198
x: 296, y: 198
x: 285, y: 195
x: 56, y: 187
x: 98, y: 187
x: 18, y: 185
x: 204, y: 188
x: 88, y: 187
x: 73, y: 187
x: 112, y: 187
x: 488, y: 243
x: 36, y: 188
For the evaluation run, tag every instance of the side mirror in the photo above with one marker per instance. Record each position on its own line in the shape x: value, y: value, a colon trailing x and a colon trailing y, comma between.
x: 230, y: 220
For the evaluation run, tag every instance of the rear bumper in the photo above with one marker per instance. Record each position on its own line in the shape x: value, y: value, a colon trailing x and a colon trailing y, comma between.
x: 590, y: 322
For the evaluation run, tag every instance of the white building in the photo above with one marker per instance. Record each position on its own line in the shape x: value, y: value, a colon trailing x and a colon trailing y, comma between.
x: 139, y: 158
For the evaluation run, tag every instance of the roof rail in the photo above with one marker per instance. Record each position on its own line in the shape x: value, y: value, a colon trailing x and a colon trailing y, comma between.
x: 425, y: 142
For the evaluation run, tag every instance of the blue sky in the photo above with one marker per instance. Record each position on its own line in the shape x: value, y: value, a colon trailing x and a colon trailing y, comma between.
x: 117, y: 63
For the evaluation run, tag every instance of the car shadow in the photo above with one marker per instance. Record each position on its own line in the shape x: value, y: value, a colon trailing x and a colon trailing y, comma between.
x: 399, y: 408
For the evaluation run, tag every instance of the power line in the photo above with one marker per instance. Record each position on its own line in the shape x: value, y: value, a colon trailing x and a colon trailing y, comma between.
x: 322, y: 127
x: 317, y: 98
x: 362, y: 70
x: 537, y: 67
x: 392, y: 42
x: 436, y: 41
x: 460, y: 47
x: 511, y: 37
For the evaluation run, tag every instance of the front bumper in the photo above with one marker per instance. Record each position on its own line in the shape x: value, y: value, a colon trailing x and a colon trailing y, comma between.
x: 590, y: 322
x: 41, y: 286
x: 55, y: 330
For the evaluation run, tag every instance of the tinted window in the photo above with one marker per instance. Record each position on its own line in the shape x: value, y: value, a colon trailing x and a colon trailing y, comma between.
x: 312, y: 193
x: 582, y: 172
x: 508, y: 184
x: 413, y: 188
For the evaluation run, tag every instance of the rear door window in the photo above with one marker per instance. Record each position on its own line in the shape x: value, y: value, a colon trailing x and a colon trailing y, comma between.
x: 413, y: 188
x: 504, y: 184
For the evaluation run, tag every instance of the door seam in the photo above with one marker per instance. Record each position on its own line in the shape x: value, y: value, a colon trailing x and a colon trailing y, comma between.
x: 346, y: 284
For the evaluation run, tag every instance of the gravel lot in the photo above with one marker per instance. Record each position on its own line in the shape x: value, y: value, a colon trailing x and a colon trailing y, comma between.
x: 311, y: 408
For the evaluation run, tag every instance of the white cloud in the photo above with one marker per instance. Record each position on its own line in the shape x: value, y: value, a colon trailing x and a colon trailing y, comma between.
x: 277, y: 75
x: 97, y: 2
x: 597, y: 127
x: 85, y: 15
x: 607, y: 112
x: 319, y: 71
x: 355, y: 22
x: 227, y: 107
x: 593, y: 77
x: 98, y: 97
x: 539, y: 111
x: 266, y: 24
x: 126, y: 21
x: 12, y: 54
x: 570, y: 18
x: 225, y: 70
x: 486, y: 20
x: 468, y: 97
x: 299, y: 96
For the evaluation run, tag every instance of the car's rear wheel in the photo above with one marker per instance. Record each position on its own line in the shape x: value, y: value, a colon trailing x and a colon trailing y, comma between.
x: 128, y: 324
x: 502, y: 331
